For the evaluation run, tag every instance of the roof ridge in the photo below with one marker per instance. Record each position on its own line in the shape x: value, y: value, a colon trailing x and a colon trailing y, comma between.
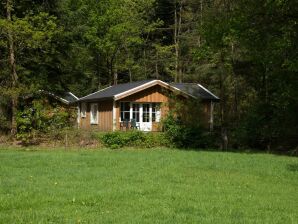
x: 145, y: 80
x: 95, y: 92
x: 194, y: 83
x: 208, y: 91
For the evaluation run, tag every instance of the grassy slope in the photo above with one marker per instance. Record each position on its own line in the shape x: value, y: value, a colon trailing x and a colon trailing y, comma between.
x: 156, y: 186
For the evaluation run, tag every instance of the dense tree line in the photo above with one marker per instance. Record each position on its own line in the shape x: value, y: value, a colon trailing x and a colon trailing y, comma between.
x: 244, y: 50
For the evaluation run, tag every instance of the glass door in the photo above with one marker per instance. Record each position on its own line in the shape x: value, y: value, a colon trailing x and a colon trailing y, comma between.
x: 146, y: 120
x: 136, y: 112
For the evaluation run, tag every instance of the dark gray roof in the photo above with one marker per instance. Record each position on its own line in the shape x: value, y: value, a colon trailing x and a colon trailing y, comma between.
x: 195, y: 90
x: 70, y: 97
x: 66, y: 97
x: 111, y: 91
x: 192, y: 89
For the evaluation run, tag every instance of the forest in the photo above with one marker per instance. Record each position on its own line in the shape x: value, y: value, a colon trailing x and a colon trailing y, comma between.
x: 245, y: 51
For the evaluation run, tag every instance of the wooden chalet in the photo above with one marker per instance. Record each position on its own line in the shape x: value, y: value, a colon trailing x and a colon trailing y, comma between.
x: 140, y: 105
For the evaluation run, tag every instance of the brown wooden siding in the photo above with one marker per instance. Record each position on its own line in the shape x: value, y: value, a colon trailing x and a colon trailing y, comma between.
x: 105, y: 117
x: 150, y: 95
x: 155, y: 94
x: 206, y: 113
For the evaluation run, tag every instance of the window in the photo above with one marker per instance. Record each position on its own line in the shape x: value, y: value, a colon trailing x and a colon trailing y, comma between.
x: 146, y: 112
x: 155, y: 112
x: 136, y: 112
x: 78, y: 115
x: 150, y: 112
x: 94, y: 114
x: 125, y: 111
x: 83, y: 109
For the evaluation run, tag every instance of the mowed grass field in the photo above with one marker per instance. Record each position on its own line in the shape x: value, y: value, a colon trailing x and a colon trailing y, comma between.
x: 147, y: 186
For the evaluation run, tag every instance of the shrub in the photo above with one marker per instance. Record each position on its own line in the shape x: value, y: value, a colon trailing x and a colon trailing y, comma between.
x: 4, y: 123
x: 185, y: 135
x: 43, y: 118
x: 134, y: 138
x: 120, y: 139
x: 24, y: 121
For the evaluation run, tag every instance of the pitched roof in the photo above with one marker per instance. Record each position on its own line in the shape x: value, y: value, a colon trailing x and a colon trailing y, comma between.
x: 69, y: 97
x: 66, y: 97
x: 196, y: 90
x: 111, y: 91
x: 192, y: 89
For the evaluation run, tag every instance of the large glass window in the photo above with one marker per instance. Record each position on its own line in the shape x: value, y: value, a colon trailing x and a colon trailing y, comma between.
x: 146, y: 112
x: 125, y: 111
x: 130, y: 111
x: 155, y: 112
x: 136, y: 112
x: 93, y: 113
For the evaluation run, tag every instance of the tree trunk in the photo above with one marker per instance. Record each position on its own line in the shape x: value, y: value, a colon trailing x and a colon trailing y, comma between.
x: 98, y: 69
x: 115, y: 77
x: 224, y: 132
x: 13, y: 71
x: 201, y: 22
x: 130, y: 75
x: 145, y: 64
x: 176, y: 41
x: 156, y: 71
x: 180, y: 72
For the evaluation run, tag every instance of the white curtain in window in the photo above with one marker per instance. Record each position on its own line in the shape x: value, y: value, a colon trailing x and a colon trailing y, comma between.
x: 94, y: 114
x: 83, y: 109
x: 158, y: 115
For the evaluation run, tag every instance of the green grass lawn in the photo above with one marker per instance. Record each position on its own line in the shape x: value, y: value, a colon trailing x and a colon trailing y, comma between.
x: 147, y: 186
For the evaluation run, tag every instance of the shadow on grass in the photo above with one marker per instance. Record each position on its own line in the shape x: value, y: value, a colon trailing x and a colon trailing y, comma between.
x: 246, y: 151
x: 292, y: 167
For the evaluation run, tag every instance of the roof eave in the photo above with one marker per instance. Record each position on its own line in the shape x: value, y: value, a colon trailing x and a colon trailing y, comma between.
x: 208, y: 91
x: 95, y: 99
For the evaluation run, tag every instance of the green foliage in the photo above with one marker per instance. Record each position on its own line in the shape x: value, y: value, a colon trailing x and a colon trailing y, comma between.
x: 25, y: 125
x: 186, y: 136
x: 42, y: 117
x: 4, y: 118
x: 120, y: 139
x: 4, y: 123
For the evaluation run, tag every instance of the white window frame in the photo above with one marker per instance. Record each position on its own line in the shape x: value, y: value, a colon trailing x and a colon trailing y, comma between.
x: 122, y: 112
x: 156, y: 112
x: 147, y: 112
x: 93, y: 120
x: 78, y: 114
x: 83, y: 109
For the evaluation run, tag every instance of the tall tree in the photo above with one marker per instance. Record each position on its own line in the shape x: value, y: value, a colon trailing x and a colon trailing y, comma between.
x: 23, y: 36
x: 12, y: 65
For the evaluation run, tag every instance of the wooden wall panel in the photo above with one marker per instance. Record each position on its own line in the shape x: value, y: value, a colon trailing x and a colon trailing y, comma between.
x: 105, y: 117
x: 206, y: 113
x: 105, y: 120
x: 85, y: 121
x: 117, y: 115
x: 150, y: 95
